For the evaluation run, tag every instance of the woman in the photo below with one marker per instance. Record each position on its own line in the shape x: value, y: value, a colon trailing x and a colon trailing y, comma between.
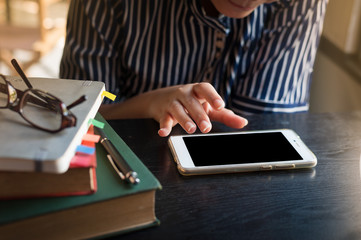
x: 192, y: 62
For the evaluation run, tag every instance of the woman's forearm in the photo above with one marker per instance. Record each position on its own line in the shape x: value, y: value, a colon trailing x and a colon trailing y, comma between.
x: 136, y: 107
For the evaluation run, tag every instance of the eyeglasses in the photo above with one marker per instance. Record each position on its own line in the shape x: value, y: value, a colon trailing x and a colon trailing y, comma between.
x: 41, y: 109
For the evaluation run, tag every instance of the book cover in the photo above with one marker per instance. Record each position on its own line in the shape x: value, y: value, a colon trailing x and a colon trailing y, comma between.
x: 115, y: 207
x: 79, y: 179
x: 24, y: 148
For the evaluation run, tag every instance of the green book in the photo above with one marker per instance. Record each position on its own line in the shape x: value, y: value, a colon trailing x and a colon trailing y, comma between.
x: 116, y: 206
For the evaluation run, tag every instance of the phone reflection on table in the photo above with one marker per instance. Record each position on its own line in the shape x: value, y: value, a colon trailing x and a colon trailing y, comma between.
x: 292, y: 174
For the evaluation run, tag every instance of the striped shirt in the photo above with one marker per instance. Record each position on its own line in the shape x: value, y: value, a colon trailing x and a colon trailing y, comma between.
x: 259, y: 64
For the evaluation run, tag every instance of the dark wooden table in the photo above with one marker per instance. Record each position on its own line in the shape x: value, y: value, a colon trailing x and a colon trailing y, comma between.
x: 319, y: 203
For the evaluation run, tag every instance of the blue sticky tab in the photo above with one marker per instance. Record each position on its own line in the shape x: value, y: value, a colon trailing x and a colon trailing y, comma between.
x: 85, y: 149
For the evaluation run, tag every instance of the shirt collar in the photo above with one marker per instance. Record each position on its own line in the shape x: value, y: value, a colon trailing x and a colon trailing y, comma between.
x: 221, y: 23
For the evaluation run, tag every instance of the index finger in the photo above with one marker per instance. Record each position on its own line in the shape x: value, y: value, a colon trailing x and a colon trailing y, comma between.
x: 206, y: 91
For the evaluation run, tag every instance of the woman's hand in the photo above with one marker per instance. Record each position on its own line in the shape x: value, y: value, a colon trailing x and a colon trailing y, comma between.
x: 191, y: 105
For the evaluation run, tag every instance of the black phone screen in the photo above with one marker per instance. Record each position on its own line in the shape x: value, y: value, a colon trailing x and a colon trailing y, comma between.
x: 240, y: 148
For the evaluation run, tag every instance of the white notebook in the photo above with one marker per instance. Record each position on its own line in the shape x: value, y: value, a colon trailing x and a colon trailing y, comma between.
x: 25, y: 148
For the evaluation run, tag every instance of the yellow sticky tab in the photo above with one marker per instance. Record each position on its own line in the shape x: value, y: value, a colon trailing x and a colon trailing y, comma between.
x: 109, y: 95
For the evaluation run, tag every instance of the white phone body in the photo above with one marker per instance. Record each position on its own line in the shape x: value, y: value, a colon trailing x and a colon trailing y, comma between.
x: 240, y: 152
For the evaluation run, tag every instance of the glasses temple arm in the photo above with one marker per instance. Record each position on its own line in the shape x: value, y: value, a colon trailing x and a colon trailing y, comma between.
x: 21, y: 73
x: 40, y: 101
x: 77, y: 102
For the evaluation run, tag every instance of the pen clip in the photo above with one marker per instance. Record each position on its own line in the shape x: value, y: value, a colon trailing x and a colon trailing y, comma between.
x: 121, y: 175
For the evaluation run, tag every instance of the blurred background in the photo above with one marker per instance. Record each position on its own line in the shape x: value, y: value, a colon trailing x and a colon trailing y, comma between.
x: 32, y: 31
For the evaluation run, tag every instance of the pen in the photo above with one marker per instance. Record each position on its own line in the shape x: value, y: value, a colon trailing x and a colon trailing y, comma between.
x: 122, y: 168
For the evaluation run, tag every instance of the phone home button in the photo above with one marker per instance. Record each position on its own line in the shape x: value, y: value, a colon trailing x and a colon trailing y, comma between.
x: 266, y: 167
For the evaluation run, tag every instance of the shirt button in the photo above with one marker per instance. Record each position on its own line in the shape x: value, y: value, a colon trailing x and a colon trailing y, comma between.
x: 219, y: 44
x: 219, y: 34
x: 207, y: 80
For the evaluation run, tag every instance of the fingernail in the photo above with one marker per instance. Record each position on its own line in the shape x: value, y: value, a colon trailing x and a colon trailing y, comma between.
x: 245, y: 122
x: 163, y: 132
x: 190, y: 127
x: 204, y: 125
x: 219, y: 104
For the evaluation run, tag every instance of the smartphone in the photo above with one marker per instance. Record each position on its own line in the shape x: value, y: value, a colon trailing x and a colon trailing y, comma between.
x: 246, y: 151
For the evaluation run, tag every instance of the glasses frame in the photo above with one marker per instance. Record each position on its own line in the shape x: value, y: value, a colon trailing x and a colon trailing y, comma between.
x: 17, y: 99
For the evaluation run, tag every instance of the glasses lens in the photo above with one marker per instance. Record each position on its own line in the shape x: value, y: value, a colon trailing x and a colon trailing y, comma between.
x: 3, y: 92
x: 42, y: 110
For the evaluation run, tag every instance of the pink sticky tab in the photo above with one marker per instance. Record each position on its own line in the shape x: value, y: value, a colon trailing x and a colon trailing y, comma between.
x: 81, y: 160
x: 91, y: 137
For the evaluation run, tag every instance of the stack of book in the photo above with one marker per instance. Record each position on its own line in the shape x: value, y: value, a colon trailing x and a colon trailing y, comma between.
x: 79, y: 179
x: 49, y: 190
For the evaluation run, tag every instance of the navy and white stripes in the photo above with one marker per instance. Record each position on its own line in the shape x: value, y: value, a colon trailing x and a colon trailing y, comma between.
x: 262, y: 63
